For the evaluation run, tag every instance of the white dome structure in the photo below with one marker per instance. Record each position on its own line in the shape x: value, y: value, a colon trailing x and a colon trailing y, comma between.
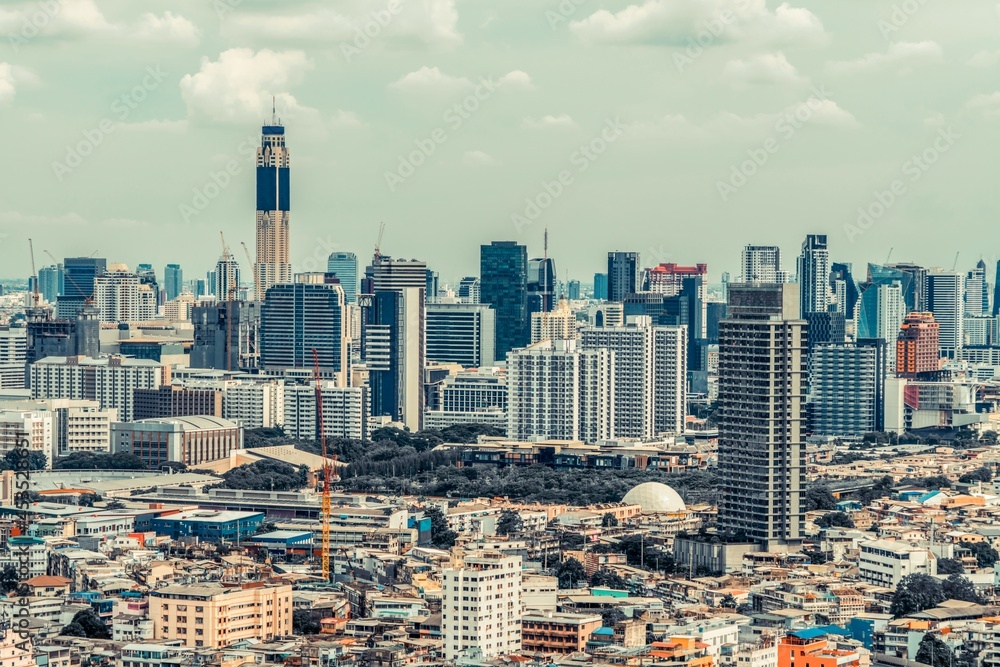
x: 654, y: 497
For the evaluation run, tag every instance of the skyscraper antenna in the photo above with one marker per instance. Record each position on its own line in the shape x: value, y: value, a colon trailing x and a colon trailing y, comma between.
x: 274, y: 112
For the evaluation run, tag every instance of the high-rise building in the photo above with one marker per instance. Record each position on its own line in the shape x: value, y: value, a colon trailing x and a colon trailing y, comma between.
x: 977, y: 291
x: 846, y: 388
x: 227, y: 278
x: 110, y: 380
x: 51, y: 282
x: 431, y: 282
x: 558, y: 391
x: 273, y: 207
x: 254, y: 404
x: 503, y: 284
x: 298, y: 318
x: 650, y: 375
x: 48, y: 336
x: 345, y: 411
x: 173, y: 281
x: 623, y: 274
x: 880, y: 311
x: 917, y: 348
x: 944, y: 291
x: 762, y: 398
x: 226, y: 335
x: 911, y: 277
x: 573, y: 290
x: 461, y: 333
x: 176, y: 401
x: 477, y: 396
x: 344, y: 265
x: 541, y: 285
x: 122, y: 296
x: 762, y: 264
x: 80, y: 274
x: 814, y: 275
x: 468, y: 289
x: 559, y: 324
x: 668, y: 279
x: 13, y: 357
x: 600, y: 287
x: 844, y: 288
x: 481, y: 607
x: 996, y: 291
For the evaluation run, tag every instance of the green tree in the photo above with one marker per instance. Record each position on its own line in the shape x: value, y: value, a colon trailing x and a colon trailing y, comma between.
x: 571, y: 573
x: 266, y: 475
x: 612, y: 616
x: 983, y: 474
x: 9, y: 579
x: 838, y: 519
x: 609, y: 579
x: 950, y: 566
x: 609, y: 520
x: 728, y: 602
x: 985, y: 555
x: 916, y: 592
x: 934, y: 652
x: 305, y: 622
x: 819, y: 497
x: 509, y: 523
x: 442, y: 536
x: 90, y: 623
x: 957, y: 587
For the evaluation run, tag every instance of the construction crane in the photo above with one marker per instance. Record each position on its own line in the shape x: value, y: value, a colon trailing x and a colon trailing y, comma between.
x: 230, y: 290
x: 88, y: 300
x: 325, y: 513
x: 955, y: 265
x: 378, y: 242
x: 256, y: 278
x: 35, y: 298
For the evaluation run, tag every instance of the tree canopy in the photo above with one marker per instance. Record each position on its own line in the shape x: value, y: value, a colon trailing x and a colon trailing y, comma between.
x: 570, y: 573
x: 916, y: 592
x: 266, y: 475
x: 99, y: 461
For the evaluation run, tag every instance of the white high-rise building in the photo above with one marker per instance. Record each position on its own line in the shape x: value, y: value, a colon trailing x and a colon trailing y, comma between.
x: 33, y: 426
x: 762, y: 264
x: 814, y: 275
x: 481, y: 607
x: 13, y: 356
x: 345, y: 411
x: 650, y: 368
x: 82, y: 426
x: 227, y: 277
x: 121, y: 296
x: 254, y: 404
x: 944, y: 291
x: 111, y: 381
x: 558, y: 391
x: 977, y: 291
x: 557, y: 324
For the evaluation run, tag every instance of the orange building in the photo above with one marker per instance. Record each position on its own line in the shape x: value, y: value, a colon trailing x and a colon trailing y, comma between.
x: 917, y: 346
x: 557, y: 633
x: 809, y: 648
x: 684, y: 650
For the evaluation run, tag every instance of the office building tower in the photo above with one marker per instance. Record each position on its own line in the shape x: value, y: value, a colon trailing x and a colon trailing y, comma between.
x: 559, y: 391
x: 844, y: 288
x: 541, y: 285
x: 715, y: 312
x: 650, y: 375
x: 273, y: 207
x: 122, y: 296
x: 481, y: 607
x: 51, y: 282
x: 344, y: 265
x: 503, y: 284
x: 917, y: 346
x: 468, y: 289
x: 177, y: 401
x: 814, y: 275
x: 763, y: 376
x: 762, y: 264
x: 345, y: 411
x: 996, y: 292
x: 825, y: 329
x: 881, y: 310
x: 978, y: 330
x: 432, y: 286
x: 112, y: 381
x: 477, y: 396
x: 48, y: 336
x: 13, y: 357
x: 147, y: 276
x: 668, y: 279
x: 686, y: 308
x: 201, y: 288
x: 79, y: 278
x: 226, y: 335
x: 188, y: 440
x: 461, y: 333
x: 30, y: 429
x: 623, y: 274
x: 255, y: 404
x: 173, y: 281
x: 600, y: 287
x: 298, y: 318
x: 977, y: 291
x: 911, y: 277
x: 227, y: 278
x: 559, y: 324
x: 846, y: 389
x: 573, y: 291
x: 944, y: 291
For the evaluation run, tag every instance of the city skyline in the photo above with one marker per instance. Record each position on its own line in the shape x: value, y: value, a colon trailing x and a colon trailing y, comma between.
x: 200, y: 79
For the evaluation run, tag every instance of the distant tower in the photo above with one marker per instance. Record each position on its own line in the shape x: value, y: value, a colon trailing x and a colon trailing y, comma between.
x: 814, y: 275
x: 273, y: 204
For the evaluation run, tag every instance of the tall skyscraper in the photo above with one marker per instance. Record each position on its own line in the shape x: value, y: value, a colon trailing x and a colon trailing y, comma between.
x: 80, y: 273
x: 344, y: 265
x: 846, y: 388
x: 762, y: 398
x: 51, y: 282
x: 461, y: 333
x: 541, y: 285
x: 173, y: 281
x: 917, y: 346
x: 303, y: 316
x: 227, y: 278
x: 814, y: 275
x: 121, y: 296
x: 601, y: 286
x: 273, y: 206
x: 468, y: 289
x: 226, y: 335
x: 977, y: 292
x: 996, y: 291
x: 623, y: 274
x: 844, y: 288
x: 482, y: 596
x: 914, y: 290
x: 881, y: 310
x: 944, y: 290
x: 503, y: 284
x: 762, y: 264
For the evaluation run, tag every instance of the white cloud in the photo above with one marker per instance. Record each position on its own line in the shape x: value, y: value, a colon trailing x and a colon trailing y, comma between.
x: 425, y: 23
x: 81, y: 18
x: 562, y: 121
x: 517, y: 80
x: 988, y: 104
x: 238, y: 87
x: 984, y: 59
x: 765, y: 68
x: 478, y: 159
x: 681, y: 22
x: 346, y: 119
x: 168, y: 28
x: 899, y: 54
x: 430, y: 79
x: 11, y: 78
x: 157, y: 125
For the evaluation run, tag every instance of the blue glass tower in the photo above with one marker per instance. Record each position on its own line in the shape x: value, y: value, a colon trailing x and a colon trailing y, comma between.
x: 344, y: 265
x: 503, y: 284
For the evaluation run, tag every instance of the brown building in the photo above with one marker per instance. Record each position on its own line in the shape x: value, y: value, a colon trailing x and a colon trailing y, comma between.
x: 917, y: 346
x: 177, y: 401
x: 557, y: 632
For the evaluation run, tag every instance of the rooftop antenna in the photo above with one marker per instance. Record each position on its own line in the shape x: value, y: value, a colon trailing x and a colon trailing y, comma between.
x: 274, y: 111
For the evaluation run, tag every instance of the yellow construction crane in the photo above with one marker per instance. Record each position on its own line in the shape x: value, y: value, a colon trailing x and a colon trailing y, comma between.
x: 325, y: 514
x: 35, y: 298
x: 256, y: 278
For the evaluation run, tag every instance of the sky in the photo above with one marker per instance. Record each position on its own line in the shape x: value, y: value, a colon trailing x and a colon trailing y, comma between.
x: 683, y: 129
